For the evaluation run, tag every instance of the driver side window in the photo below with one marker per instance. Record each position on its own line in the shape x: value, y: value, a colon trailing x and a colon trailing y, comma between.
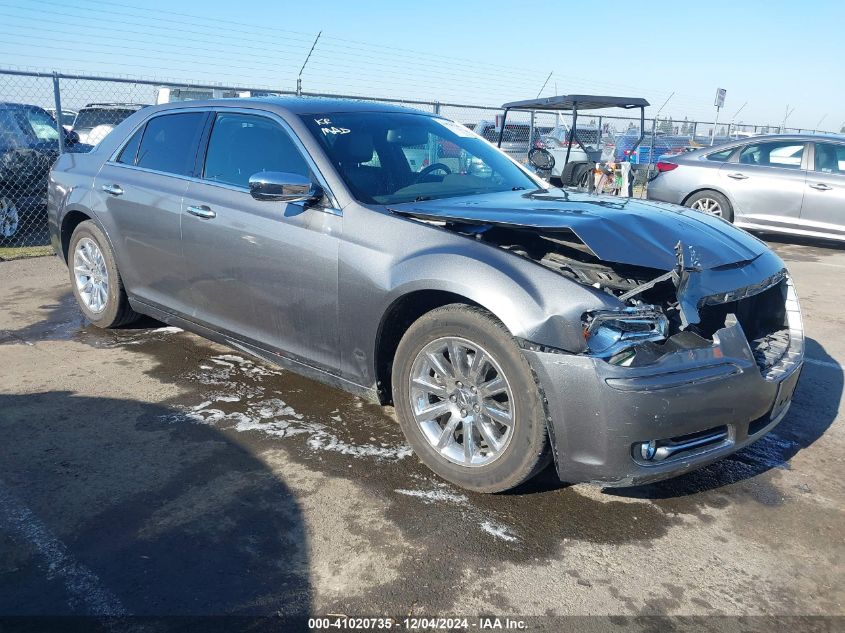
x: 245, y: 144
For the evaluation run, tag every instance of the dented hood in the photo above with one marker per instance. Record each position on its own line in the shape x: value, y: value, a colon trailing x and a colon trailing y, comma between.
x: 621, y: 230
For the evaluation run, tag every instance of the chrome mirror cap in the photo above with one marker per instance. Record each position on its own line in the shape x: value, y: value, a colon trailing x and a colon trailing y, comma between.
x: 283, y: 187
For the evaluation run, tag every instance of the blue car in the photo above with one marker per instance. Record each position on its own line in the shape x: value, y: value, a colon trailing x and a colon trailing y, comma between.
x: 642, y: 153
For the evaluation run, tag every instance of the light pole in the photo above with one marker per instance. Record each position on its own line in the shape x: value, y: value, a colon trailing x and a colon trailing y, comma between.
x: 733, y: 118
x: 785, y: 117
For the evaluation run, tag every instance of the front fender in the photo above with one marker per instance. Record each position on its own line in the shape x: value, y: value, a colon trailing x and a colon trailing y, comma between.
x: 532, y: 302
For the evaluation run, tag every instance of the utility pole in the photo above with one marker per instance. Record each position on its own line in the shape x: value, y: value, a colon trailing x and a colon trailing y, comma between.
x: 299, y: 76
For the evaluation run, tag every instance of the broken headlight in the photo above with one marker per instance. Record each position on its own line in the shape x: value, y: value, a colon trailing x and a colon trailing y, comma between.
x: 610, y: 332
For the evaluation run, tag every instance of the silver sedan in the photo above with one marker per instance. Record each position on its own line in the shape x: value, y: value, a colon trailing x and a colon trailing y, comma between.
x: 782, y: 183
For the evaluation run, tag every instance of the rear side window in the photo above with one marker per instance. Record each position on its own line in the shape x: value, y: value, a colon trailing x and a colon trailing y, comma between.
x: 130, y: 150
x: 774, y: 154
x: 170, y: 143
x: 243, y: 144
x: 830, y: 158
x: 721, y: 157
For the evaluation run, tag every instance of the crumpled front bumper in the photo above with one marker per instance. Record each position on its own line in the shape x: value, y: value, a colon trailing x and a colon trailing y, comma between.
x: 698, y: 404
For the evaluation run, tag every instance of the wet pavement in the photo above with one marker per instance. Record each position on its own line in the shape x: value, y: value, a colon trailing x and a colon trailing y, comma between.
x: 148, y: 471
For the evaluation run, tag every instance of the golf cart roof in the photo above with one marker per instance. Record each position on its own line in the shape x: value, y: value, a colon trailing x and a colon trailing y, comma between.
x: 582, y: 102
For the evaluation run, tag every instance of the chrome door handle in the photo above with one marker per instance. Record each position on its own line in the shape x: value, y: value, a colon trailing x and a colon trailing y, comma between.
x: 201, y: 211
x: 115, y: 190
x: 821, y: 187
x: 738, y: 176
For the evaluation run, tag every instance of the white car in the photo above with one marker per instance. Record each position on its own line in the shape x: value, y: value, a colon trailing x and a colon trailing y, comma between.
x: 96, y: 120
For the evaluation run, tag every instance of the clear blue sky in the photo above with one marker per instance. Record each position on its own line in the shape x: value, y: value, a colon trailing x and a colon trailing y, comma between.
x: 770, y: 54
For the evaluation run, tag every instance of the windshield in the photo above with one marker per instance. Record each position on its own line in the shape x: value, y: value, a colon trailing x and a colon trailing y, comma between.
x: 389, y: 158
x: 89, y: 118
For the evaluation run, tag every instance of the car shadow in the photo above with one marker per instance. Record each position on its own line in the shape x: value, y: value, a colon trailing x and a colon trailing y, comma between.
x: 814, y: 408
x: 158, y: 517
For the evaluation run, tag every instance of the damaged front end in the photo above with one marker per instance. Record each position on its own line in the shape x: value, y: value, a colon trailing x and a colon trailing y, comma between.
x: 695, y: 355
x: 662, y: 312
x: 690, y: 306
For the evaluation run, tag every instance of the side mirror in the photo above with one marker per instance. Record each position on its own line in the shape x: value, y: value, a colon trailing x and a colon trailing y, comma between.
x: 71, y: 137
x: 283, y: 187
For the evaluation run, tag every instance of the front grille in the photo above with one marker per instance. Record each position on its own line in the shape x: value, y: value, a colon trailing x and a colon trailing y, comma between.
x: 770, y: 320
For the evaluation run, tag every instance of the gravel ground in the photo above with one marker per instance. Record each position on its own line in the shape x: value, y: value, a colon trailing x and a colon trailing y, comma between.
x: 147, y: 471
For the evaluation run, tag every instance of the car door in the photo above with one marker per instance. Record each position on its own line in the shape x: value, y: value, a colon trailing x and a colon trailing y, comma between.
x: 265, y: 271
x: 824, y: 198
x: 766, y: 183
x: 140, y: 200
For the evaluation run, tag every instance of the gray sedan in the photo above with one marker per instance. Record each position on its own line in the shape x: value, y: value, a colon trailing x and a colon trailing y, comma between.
x: 509, y: 324
x: 783, y: 184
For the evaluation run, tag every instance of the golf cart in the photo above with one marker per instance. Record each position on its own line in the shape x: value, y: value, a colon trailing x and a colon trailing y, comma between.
x: 577, y: 164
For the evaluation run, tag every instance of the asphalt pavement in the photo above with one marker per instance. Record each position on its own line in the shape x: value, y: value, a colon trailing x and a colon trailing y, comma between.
x: 147, y: 471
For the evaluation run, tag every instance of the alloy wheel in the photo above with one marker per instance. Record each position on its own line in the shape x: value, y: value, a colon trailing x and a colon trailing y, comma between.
x: 9, y: 219
x: 462, y: 401
x: 91, y: 274
x: 708, y: 205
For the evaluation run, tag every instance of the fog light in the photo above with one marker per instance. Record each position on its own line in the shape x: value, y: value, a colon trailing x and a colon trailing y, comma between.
x: 648, y: 449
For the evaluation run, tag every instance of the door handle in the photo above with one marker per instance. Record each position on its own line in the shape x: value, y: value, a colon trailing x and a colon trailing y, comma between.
x: 115, y: 190
x: 738, y: 176
x: 820, y: 186
x: 201, y: 211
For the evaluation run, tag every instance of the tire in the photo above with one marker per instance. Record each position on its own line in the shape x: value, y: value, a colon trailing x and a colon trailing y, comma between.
x: 9, y: 219
x: 705, y: 200
x: 111, y: 307
x: 580, y: 176
x: 523, y: 446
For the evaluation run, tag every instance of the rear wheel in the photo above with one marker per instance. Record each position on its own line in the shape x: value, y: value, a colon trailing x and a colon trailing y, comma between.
x: 95, y: 279
x: 711, y: 202
x: 467, y: 400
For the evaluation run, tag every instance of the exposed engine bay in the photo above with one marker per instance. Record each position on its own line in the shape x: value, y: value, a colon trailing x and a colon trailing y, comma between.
x: 654, y: 321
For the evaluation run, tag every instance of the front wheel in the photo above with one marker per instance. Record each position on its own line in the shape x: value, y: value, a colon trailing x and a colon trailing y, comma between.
x: 467, y: 400
x: 95, y: 280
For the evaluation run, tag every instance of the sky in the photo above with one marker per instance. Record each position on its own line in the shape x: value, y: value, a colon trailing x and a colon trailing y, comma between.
x: 773, y: 58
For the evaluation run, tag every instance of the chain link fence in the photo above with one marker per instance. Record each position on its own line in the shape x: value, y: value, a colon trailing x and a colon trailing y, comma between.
x: 45, y: 114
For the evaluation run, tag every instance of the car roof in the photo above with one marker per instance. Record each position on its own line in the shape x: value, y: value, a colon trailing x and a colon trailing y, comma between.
x: 582, y: 102
x: 750, y: 140
x: 113, y: 105
x: 295, y: 105
x: 8, y: 105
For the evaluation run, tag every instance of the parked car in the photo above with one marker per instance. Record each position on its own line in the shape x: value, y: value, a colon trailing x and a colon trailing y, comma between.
x: 29, y: 143
x: 515, y: 141
x: 96, y: 120
x: 67, y: 118
x: 780, y: 183
x: 507, y: 323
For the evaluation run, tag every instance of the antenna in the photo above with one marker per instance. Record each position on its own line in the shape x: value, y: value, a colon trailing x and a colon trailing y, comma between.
x: 544, y: 85
x: 299, y: 76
